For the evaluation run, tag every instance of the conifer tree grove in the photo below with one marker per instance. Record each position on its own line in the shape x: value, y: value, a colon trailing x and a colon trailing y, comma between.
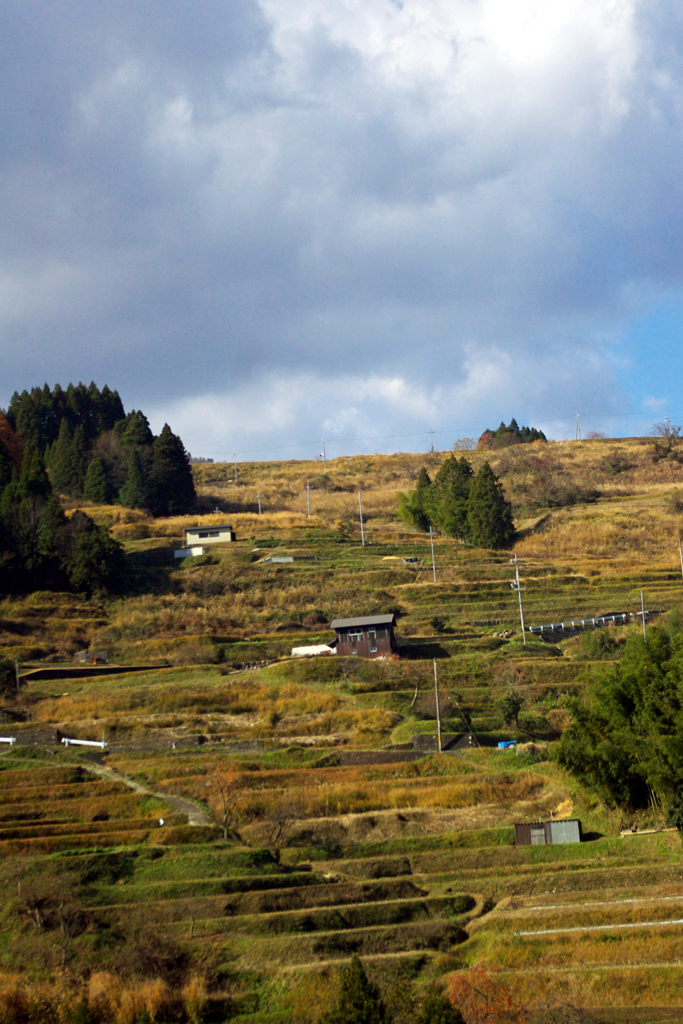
x: 79, y: 427
x: 458, y: 504
x: 40, y: 548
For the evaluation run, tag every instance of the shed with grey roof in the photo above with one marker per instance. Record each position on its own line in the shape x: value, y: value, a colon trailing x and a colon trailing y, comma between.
x: 368, y: 636
x: 547, y: 833
x: 221, y: 533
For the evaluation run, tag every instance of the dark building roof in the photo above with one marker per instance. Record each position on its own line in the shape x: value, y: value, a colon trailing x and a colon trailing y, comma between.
x: 364, y: 620
x: 212, y: 526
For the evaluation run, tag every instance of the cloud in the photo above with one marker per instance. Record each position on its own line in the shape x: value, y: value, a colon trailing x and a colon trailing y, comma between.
x: 272, y: 220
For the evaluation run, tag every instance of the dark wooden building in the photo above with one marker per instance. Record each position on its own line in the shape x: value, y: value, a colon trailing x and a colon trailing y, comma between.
x: 370, y: 636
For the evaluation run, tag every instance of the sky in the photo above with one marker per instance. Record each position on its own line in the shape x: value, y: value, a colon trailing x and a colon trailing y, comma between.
x: 271, y: 223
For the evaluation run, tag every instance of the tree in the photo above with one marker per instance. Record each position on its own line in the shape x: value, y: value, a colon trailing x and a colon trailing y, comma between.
x: 453, y: 485
x: 482, y: 1000
x: 65, y: 469
x: 6, y: 468
x: 510, y: 706
x: 37, y: 415
x: 12, y: 442
x: 359, y: 1001
x: 96, y: 487
x: 93, y: 560
x: 225, y: 780
x: 133, y: 494
x: 437, y: 1009
x: 489, y: 514
x: 135, y: 430
x: 171, y: 485
x: 413, y: 507
x: 34, y: 480
x: 666, y: 442
x: 281, y: 821
x: 625, y: 740
x: 443, y: 503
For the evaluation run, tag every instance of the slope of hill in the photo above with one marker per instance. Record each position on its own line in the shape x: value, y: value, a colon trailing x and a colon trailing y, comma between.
x: 332, y: 833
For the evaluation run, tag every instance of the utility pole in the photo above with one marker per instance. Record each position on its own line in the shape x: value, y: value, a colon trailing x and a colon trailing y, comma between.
x: 324, y: 455
x: 308, y: 499
x: 438, y: 710
x: 431, y: 440
x: 16, y: 672
x: 680, y: 552
x: 516, y: 585
x: 234, y: 459
x: 642, y: 613
x: 360, y: 512
x: 431, y: 541
x: 258, y: 498
x: 578, y: 427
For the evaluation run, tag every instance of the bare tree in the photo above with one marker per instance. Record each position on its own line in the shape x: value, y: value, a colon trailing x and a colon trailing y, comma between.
x: 281, y: 821
x: 70, y: 918
x: 51, y: 903
x: 666, y: 441
x: 224, y: 779
x: 35, y: 897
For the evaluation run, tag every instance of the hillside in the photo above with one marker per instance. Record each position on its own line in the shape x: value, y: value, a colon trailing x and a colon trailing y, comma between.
x: 301, y: 824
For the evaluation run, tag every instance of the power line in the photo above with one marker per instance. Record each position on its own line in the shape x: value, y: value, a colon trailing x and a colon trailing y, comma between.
x: 420, y: 433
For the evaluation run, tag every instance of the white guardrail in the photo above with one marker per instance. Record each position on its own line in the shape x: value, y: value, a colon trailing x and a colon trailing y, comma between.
x: 8, y: 739
x: 68, y: 742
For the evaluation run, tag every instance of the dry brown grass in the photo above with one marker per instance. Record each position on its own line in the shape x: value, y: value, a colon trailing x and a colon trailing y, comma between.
x: 321, y: 792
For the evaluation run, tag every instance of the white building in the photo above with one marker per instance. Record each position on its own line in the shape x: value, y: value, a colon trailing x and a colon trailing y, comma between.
x: 192, y: 552
x: 221, y: 534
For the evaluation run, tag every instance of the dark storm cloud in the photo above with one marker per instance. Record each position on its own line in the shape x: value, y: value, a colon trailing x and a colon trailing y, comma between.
x: 446, y: 209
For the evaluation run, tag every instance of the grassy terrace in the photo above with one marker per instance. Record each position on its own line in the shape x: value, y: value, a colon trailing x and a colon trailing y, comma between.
x: 337, y: 841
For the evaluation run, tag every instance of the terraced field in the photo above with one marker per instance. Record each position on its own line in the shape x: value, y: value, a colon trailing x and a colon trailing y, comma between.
x: 574, y: 923
x: 303, y: 822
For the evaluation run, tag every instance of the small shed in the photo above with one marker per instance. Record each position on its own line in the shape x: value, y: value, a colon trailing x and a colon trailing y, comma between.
x: 548, y: 833
x: 370, y: 636
x: 221, y: 534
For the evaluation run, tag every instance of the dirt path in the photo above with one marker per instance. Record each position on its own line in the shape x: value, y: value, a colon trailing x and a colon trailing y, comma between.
x: 196, y: 815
